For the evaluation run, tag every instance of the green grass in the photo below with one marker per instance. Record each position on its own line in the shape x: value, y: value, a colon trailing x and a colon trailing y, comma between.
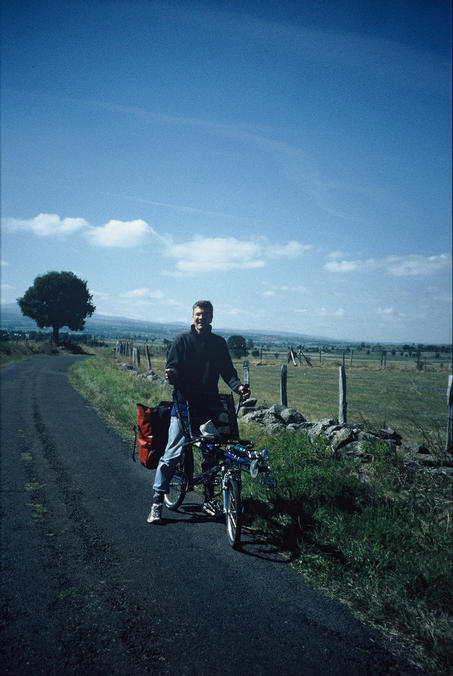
x: 14, y: 351
x: 114, y: 393
x: 376, y: 536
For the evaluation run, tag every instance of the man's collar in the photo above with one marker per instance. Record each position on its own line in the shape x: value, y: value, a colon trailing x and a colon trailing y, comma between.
x: 206, y: 332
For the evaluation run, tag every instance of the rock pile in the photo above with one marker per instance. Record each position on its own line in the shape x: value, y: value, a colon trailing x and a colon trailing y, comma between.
x: 345, y: 440
x: 145, y: 375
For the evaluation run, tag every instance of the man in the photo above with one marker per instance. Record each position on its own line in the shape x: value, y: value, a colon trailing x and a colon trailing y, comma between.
x: 195, y: 362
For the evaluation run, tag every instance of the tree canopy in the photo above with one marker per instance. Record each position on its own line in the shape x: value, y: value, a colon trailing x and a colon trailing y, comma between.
x: 58, y: 299
x: 237, y: 346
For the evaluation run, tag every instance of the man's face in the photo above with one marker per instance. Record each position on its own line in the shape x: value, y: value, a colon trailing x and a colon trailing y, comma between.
x: 202, y: 319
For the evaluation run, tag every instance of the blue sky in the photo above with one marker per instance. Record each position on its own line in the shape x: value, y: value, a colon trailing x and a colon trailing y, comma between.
x: 290, y: 161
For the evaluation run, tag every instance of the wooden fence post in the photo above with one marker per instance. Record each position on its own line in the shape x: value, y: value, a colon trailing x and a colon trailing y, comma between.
x: 450, y: 415
x: 343, y: 405
x: 283, y: 381
x: 245, y: 367
x: 148, y: 356
x: 350, y: 361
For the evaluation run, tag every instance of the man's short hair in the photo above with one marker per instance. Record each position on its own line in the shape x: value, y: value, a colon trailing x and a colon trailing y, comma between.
x: 204, y: 305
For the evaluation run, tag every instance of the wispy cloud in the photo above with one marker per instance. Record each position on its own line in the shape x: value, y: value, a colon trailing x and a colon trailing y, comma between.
x: 143, y: 293
x: 282, y: 291
x: 412, y: 265
x: 206, y: 254
x: 376, y: 56
x: 323, y: 312
x: 45, y: 225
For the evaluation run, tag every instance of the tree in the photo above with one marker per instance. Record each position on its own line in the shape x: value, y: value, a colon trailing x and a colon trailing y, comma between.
x: 57, y: 299
x: 237, y: 346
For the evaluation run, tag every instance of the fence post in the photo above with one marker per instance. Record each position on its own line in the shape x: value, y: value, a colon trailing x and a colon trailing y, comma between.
x: 350, y: 361
x: 148, y: 356
x: 283, y: 381
x: 450, y: 414
x: 342, y: 407
x: 245, y: 367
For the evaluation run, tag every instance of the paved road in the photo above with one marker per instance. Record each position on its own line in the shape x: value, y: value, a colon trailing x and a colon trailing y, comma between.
x: 89, y: 587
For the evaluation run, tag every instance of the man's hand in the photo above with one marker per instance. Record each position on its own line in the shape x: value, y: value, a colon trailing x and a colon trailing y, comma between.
x: 244, y: 391
x: 170, y: 376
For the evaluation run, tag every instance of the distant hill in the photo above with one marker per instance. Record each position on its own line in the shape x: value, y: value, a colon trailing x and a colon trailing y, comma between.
x: 105, y: 326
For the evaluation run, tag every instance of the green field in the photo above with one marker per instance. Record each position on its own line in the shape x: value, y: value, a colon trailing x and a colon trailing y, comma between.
x: 411, y: 401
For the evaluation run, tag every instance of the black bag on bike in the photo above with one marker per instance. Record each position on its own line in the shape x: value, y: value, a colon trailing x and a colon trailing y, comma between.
x: 153, y: 424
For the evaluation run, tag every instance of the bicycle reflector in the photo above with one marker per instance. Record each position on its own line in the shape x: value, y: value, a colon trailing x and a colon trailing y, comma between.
x: 254, y: 468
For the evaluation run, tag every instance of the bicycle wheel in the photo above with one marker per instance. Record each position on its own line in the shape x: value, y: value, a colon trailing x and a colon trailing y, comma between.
x: 233, y: 512
x: 178, y: 488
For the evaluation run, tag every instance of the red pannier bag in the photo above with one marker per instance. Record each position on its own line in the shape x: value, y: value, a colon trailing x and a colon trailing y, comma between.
x: 153, y: 424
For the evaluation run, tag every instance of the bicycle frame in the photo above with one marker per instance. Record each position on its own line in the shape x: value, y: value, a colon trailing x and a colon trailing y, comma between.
x: 230, y: 458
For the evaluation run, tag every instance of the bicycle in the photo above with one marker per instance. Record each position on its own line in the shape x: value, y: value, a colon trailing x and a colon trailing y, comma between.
x: 231, y: 457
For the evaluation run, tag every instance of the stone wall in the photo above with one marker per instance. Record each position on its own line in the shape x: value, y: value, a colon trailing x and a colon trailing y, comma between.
x: 346, y: 440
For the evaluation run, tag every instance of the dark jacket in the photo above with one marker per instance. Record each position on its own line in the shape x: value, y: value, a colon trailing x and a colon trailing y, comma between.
x: 198, y: 359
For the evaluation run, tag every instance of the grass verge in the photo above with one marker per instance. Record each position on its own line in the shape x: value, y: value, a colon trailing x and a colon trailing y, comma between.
x: 376, y: 536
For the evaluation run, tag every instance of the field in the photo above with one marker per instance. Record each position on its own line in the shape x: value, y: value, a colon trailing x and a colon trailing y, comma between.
x: 410, y: 400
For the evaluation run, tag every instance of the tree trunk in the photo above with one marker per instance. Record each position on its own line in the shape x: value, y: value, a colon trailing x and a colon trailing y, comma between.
x: 55, y: 330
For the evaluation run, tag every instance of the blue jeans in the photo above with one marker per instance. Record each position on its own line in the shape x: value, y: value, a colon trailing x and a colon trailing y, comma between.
x: 167, y: 463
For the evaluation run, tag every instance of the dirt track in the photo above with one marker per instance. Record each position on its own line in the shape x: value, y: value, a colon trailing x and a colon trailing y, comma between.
x: 89, y: 587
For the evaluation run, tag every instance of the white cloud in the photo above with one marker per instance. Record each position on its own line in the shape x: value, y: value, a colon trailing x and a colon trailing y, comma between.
x: 342, y: 266
x: 282, y: 291
x: 205, y: 254
x: 412, y: 265
x: 143, y: 294
x: 335, y: 255
x: 291, y: 250
x: 46, y: 225
x: 215, y: 253
x: 124, y: 234
x: 331, y: 313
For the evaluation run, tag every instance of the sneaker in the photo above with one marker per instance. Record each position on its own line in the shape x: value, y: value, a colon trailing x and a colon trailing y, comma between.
x: 155, y: 514
x: 212, y: 508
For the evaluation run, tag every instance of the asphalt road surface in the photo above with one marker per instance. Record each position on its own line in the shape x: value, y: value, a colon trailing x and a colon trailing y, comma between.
x: 89, y: 587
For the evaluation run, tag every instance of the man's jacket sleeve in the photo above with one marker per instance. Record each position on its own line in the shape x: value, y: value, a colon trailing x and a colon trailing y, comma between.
x: 174, y: 359
x: 227, y: 371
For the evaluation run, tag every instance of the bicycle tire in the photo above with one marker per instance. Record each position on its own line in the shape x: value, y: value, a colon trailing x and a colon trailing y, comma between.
x: 233, y: 512
x: 177, y: 489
